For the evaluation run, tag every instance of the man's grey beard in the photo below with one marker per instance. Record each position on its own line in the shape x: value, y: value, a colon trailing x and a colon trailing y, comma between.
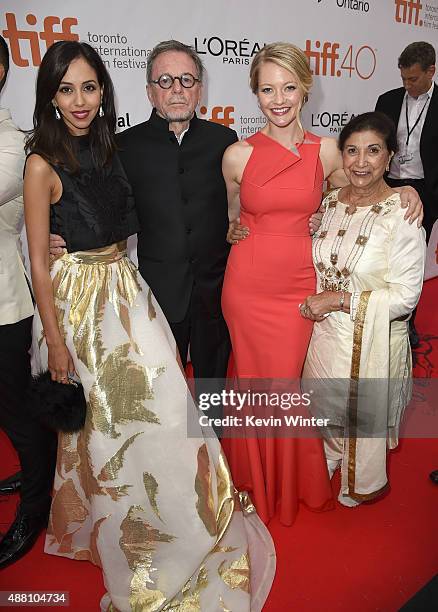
x: 182, y: 118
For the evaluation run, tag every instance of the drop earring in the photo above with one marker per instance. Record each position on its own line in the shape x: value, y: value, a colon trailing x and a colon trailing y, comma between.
x: 101, y: 113
x: 57, y: 113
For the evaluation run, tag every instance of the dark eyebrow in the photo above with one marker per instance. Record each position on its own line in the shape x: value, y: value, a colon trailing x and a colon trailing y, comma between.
x: 375, y: 144
x: 84, y: 83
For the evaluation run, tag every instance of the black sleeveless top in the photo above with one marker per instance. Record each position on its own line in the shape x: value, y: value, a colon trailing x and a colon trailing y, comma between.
x: 97, y: 207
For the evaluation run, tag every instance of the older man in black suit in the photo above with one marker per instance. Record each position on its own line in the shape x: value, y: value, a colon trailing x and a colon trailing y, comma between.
x: 173, y: 162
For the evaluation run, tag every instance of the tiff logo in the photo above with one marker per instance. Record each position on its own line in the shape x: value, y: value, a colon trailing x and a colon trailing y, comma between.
x: 48, y: 34
x: 323, y: 62
x: 408, y: 11
x: 220, y: 114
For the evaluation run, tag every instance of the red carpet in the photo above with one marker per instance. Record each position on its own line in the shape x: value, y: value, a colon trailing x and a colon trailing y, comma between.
x: 370, y: 558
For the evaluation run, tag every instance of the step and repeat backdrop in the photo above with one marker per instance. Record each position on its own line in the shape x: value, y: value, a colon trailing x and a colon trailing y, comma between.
x: 352, y: 46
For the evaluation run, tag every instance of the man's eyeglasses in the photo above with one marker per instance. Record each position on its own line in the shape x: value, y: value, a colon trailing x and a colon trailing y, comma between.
x: 165, y: 81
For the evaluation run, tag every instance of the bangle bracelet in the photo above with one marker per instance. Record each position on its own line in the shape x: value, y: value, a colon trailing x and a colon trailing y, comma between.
x: 341, y: 301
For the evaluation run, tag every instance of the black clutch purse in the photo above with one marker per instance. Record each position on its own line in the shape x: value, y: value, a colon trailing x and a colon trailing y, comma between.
x: 57, y: 406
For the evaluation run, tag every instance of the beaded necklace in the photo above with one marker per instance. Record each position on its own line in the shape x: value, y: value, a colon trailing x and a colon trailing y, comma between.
x: 335, y: 277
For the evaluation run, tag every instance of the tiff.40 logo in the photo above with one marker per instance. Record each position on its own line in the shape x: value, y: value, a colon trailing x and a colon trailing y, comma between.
x: 408, y: 11
x: 219, y: 114
x: 327, y: 59
x: 48, y: 34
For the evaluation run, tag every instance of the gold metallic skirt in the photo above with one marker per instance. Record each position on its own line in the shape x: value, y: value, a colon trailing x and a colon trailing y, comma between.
x: 133, y: 494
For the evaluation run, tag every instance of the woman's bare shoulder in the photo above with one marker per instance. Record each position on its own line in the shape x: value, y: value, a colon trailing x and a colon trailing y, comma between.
x: 235, y: 159
x: 238, y: 152
x: 239, y: 146
x: 37, y: 166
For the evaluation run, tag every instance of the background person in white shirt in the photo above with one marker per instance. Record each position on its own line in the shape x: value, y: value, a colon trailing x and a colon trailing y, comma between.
x: 414, y: 110
x: 35, y: 446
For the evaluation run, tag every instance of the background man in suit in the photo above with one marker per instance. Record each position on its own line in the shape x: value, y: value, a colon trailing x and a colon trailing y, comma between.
x: 35, y: 446
x: 414, y: 110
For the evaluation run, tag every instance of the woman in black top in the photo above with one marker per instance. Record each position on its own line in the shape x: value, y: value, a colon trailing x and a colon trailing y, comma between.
x: 133, y: 493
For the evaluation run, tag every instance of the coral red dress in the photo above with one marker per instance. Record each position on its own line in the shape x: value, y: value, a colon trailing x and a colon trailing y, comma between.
x: 268, y: 275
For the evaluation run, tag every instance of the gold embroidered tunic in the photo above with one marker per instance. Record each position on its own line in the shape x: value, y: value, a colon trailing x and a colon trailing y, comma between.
x: 378, y: 257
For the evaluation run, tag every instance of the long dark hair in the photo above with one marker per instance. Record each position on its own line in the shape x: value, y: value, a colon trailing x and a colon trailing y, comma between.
x: 50, y: 137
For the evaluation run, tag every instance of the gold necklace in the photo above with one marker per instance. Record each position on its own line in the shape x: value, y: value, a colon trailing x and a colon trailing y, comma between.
x: 333, y: 277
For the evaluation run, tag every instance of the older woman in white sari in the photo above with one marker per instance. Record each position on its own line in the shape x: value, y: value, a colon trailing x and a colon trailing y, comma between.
x: 369, y: 265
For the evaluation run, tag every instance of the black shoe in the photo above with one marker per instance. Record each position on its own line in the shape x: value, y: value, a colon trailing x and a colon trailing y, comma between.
x: 21, y: 536
x: 434, y: 476
x: 11, y: 484
x: 414, y: 338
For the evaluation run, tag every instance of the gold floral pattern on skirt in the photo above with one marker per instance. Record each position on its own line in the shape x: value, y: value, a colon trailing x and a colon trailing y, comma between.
x: 156, y: 510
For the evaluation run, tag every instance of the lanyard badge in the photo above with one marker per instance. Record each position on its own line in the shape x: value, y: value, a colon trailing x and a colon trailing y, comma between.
x: 406, y: 157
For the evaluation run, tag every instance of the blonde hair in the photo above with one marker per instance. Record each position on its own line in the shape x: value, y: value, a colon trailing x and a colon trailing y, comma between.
x: 289, y: 57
